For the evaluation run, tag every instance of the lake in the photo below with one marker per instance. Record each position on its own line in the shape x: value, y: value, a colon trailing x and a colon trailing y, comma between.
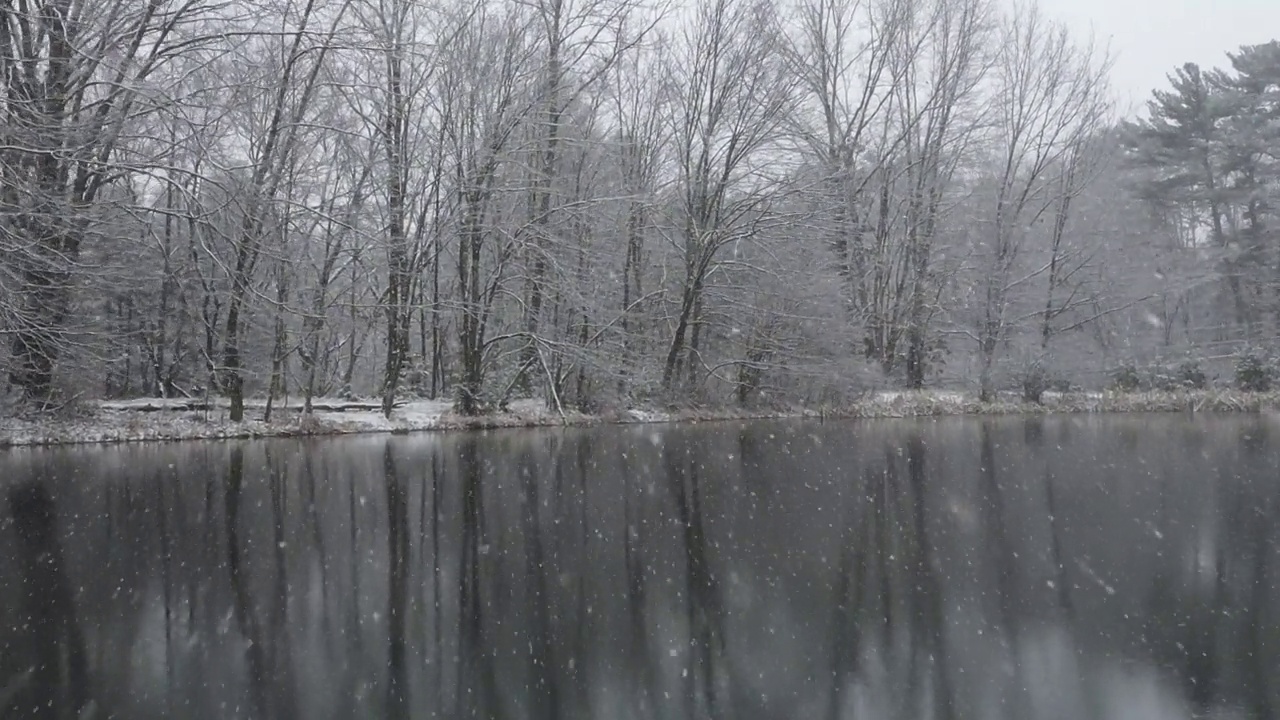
x: 1065, y: 567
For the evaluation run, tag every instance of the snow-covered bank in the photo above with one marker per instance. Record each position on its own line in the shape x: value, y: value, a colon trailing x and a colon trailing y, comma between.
x: 155, y: 419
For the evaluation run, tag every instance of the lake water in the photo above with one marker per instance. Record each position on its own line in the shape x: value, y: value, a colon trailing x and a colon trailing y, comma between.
x: 1074, y: 567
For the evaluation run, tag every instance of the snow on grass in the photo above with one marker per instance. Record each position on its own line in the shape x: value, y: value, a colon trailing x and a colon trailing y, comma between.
x: 175, y: 419
x: 148, y: 403
x: 153, y: 419
x: 415, y: 415
x: 637, y: 415
x: 891, y: 396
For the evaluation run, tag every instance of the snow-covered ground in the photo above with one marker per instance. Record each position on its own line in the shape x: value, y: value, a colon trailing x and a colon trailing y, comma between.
x: 158, y: 419
x: 182, y: 419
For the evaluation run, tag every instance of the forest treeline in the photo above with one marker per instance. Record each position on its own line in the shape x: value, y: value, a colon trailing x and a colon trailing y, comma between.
x: 602, y: 202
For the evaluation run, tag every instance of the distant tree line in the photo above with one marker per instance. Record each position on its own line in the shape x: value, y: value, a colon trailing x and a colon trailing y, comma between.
x: 600, y: 202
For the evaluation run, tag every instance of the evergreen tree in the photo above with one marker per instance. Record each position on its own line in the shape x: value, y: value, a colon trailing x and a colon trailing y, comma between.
x: 1180, y: 147
x: 1182, y: 156
x: 1251, y: 92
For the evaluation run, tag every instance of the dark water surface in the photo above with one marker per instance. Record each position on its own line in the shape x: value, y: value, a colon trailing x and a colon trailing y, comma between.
x: 1090, y: 568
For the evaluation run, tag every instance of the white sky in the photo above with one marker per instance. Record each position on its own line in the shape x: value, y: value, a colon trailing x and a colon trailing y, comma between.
x: 1149, y: 38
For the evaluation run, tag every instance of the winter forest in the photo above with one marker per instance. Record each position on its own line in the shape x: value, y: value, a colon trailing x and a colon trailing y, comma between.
x: 603, y: 202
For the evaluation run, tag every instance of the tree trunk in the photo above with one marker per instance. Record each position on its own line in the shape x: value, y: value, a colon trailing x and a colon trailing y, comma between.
x: 917, y: 357
x: 540, y: 199
x: 987, y: 358
x: 673, y: 363
x: 399, y: 279
x: 349, y: 373
x: 233, y: 380
x: 471, y: 330
x: 45, y: 301
x: 280, y: 346
x: 437, y: 335
x: 695, y: 345
x: 631, y: 287
x: 159, y: 340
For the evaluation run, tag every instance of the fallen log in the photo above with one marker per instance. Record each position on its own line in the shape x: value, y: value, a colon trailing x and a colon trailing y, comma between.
x: 182, y: 405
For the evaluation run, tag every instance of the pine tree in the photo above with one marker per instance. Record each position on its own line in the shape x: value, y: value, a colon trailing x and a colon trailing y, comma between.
x: 1181, y: 146
x: 1251, y: 142
x: 1182, y: 155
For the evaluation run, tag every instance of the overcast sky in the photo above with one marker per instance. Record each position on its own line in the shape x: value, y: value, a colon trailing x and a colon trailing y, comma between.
x: 1149, y: 38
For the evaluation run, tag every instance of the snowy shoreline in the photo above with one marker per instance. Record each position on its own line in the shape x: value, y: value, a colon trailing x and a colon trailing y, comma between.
x: 153, y: 420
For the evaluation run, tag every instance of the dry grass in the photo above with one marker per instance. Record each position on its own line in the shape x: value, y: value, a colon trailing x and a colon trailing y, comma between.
x: 927, y: 404
x: 1194, y: 401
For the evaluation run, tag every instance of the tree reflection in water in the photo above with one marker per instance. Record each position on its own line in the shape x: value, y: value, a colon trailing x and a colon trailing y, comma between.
x: 1044, y: 568
x: 55, y: 682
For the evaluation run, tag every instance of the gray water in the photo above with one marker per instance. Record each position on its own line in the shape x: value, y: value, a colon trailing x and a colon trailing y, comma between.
x: 1077, y: 567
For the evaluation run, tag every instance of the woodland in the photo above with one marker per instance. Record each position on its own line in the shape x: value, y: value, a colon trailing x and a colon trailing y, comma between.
x: 604, y: 203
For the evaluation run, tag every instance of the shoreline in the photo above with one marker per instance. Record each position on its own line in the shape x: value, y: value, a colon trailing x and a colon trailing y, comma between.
x: 154, y: 420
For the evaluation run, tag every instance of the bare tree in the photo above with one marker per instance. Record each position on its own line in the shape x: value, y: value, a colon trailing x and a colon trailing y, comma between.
x: 641, y: 146
x: 731, y: 97
x: 1067, y: 275
x: 487, y: 86
x: 891, y: 86
x: 938, y: 108
x: 581, y: 40
x: 1049, y: 95
x: 76, y: 74
x: 587, y: 200
x: 844, y: 52
x: 331, y: 229
x: 286, y: 107
x: 411, y: 149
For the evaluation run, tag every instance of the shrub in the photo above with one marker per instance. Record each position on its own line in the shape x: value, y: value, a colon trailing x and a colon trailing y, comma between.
x: 1186, y: 375
x: 1035, y: 379
x: 1190, y: 375
x: 311, y: 425
x: 1164, y: 379
x: 1127, y: 378
x: 1254, y: 371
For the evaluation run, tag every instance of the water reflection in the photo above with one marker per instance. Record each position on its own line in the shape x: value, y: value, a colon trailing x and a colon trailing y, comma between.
x: 55, y: 684
x: 1047, y: 568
